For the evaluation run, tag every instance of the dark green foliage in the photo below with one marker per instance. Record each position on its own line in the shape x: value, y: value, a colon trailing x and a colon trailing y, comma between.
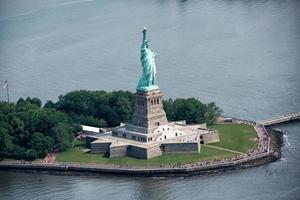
x: 33, y: 100
x: 50, y: 104
x: 212, y: 112
x: 97, y: 108
x: 30, y: 154
x: 6, y: 145
x: 191, y: 110
x: 18, y: 152
x: 28, y: 131
x: 41, y: 144
x: 88, y: 120
x: 62, y: 136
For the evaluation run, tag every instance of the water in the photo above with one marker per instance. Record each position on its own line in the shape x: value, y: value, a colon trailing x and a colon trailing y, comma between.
x: 243, y: 55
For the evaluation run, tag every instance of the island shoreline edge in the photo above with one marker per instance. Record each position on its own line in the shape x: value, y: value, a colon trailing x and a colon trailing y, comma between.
x: 152, y: 171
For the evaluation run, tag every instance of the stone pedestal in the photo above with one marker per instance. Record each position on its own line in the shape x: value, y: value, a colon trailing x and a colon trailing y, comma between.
x: 148, y: 112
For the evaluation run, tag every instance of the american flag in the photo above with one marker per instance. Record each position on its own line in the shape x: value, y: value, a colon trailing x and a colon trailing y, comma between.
x: 5, y: 84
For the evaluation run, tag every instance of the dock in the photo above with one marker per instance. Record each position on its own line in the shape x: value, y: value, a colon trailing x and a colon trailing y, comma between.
x: 280, y: 119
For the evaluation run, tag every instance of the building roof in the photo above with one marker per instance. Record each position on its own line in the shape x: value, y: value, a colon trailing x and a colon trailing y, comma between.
x: 116, y: 141
x: 90, y: 128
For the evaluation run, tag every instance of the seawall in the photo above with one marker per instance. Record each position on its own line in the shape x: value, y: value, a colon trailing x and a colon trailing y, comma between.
x: 184, y: 170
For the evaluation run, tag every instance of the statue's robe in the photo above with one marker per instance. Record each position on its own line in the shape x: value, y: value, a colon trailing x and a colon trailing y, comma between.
x: 149, y: 69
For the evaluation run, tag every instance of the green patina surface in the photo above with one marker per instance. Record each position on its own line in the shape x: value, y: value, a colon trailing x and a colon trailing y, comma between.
x: 233, y: 136
x: 147, y: 81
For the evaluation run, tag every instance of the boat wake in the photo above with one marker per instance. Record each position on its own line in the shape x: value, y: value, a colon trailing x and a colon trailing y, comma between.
x: 285, y: 141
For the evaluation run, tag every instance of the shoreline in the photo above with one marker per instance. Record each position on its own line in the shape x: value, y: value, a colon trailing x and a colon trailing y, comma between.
x: 81, y: 169
x: 271, y: 152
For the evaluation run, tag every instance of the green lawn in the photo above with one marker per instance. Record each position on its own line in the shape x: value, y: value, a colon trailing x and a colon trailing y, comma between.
x: 237, y: 137
x: 233, y: 136
x: 76, y: 155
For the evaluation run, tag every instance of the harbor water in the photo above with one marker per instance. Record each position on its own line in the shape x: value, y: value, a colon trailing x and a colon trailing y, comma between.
x: 243, y: 55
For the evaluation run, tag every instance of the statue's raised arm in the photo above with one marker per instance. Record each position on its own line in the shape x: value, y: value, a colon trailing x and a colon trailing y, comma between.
x: 147, y: 81
x: 144, y: 38
x: 144, y: 34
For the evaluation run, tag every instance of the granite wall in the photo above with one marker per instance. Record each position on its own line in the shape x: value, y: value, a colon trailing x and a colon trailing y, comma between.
x: 118, y: 151
x: 193, y: 147
x: 89, y: 140
x: 153, y: 151
x: 100, y: 147
x: 210, y: 137
x: 137, y: 152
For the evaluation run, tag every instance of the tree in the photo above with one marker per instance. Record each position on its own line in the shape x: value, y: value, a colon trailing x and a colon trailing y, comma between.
x: 88, y: 120
x: 124, y: 109
x: 20, y: 100
x: 168, y: 107
x: 24, y: 106
x: 6, y: 110
x: 212, y: 112
x: 19, y: 152
x: 34, y: 100
x: 110, y: 108
x: 29, y: 100
x: 27, y: 130
x: 41, y: 144
x: 191, y: 110
x: 6, y: 144
x: 50, y: 105
x: 63, y: 136
x: 30, y: 154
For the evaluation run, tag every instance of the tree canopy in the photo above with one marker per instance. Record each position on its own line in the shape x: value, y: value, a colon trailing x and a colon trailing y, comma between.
x: 97, y: 108
x: 191, y: 110
x: 28, y: 131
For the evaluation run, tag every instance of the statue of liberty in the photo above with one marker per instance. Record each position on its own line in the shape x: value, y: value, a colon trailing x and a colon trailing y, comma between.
x: 148, y: 80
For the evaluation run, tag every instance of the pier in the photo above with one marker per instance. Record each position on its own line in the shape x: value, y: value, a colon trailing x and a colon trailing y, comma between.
x: 280, y: 119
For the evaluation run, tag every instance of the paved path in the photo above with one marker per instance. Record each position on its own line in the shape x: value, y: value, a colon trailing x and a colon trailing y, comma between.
x: 220, y: 148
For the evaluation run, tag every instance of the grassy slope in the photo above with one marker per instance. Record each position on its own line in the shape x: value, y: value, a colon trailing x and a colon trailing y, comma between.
x: 235, y: 137
x: 76, y: 155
